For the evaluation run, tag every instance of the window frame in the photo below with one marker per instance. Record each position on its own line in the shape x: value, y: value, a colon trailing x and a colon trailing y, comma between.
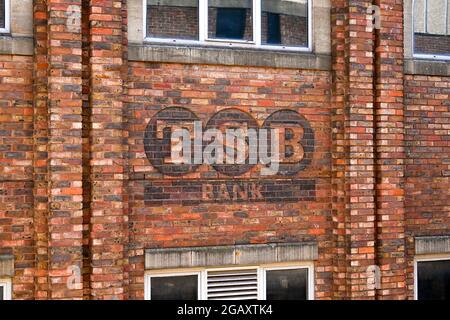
x: 203, y: 39
x: 202, y: 274
x: 310, y: 284
x: 425, y: 258
x: 7, y: 289
x: 7, y: 27
x: 424, y: 55
x: 148, y: 280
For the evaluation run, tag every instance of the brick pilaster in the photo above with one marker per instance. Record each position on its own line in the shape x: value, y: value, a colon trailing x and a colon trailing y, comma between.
x: 40, y: 143
x: 353, y: 150
x: 339, y: 76
x: 65, y: 221
x: 108, y: 197
x: 359, y: 135
x: 390, y: 155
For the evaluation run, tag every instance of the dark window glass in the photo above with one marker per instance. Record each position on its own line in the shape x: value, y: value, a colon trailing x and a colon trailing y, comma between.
x: 2, y: 14
x: 433, y: 280
x: 291, y: 284
x: 172, y: 19
x: 432, y: 27
x: 273, y: 28
x: 230, y: 19
x: 2, y: 289
x: 174, y: 288
x: 284, y: 22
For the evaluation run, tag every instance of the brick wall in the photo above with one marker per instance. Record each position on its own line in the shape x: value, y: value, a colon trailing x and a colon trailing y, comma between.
x: 81, y: 186
x: 205, y: 90
x: 16, y: 171
x: 427, y: 124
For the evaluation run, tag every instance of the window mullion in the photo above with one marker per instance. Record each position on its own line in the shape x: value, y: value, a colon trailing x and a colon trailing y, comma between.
x: 310, y: 24
x: 257, y: 22
x: 261, y: 284
x: 203, y: 285
x: 203, y: 20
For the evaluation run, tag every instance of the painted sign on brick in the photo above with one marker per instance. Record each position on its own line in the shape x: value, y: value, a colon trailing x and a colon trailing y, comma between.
x: 178, y: 143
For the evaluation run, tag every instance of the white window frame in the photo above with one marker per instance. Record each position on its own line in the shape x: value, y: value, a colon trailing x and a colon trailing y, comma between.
x: 422, y: 55
x: 6, y: 285
x: 202, y: 274
x: 255, y: 43
x: 310, y: 279
x: 425, y: 258
x: 7, y: 27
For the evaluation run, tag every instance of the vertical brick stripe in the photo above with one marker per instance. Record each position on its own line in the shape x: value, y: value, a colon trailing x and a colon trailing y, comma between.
x: 359, y: 172
x: 40, y: 144
x: 389, y: 119
x: 108, y: 201
x: 339, y: 76
x: 65, y: 153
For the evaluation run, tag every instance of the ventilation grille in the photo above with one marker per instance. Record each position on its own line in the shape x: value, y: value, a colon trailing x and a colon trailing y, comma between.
x: 233, y: 285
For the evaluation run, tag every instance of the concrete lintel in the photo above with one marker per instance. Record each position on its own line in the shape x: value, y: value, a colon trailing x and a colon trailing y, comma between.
x: 172, y: 258
x: 6, y: 266
x: 227, y: 56
x: 427, y: 67
x: 16, y: 45
x: 432, y: 245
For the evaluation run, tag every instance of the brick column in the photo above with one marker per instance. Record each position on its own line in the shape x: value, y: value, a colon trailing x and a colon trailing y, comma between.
x: 108, y: 148
x: 359, y: 135
x: 390, y: 153
x: 339, y: 80
x: 65, y: 221
x: 40, y: 143
x: 353, y: 151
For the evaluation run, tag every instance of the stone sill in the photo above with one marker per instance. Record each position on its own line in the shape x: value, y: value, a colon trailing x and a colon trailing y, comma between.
x: 228, y: 56
x: 427, y: 67
x: 16, y: 45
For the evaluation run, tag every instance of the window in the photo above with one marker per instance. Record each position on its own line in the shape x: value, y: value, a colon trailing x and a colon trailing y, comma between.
x: 432, y: 279
x: 245, y: 283
x: 270, y: 24
x: 4, y: 16
x: 172, y: 19
x: 431, y: 25
x: 5, y: 290
x: 175, y: 287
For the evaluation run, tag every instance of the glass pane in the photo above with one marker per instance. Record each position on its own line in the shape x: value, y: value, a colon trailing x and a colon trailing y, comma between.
x: 2, y: 289
x: 432, y: 27
x: 284, y: 22
x: 433, y: 280
x: 2, y: 13
x: 289, y: 284
x: 174, y: 288
x: 230, y: 19
x: 172, y: 19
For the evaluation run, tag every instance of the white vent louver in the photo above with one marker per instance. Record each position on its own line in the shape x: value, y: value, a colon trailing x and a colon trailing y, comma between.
x: 233, y: 285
